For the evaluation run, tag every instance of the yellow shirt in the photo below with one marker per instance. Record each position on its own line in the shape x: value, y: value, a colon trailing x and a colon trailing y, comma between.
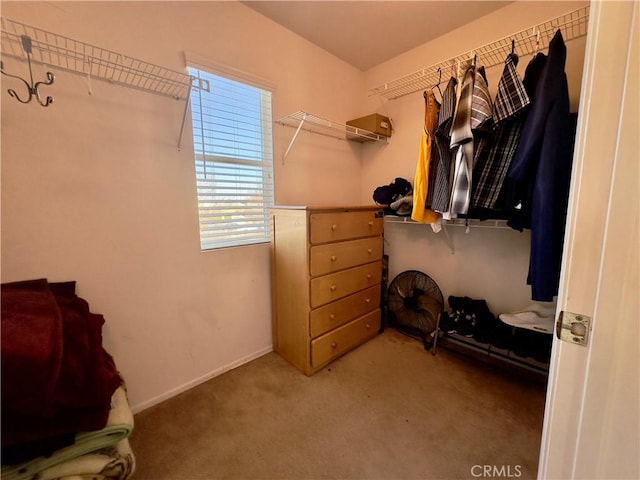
x: 421, y: 180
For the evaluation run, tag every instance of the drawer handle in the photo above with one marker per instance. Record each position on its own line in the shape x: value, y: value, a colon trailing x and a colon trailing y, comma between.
x: 371, y: 224
x: 333, y: 288
x: 334, y: 345
x: 333, y: 258
x: 332, y: 316
x: 334, y: 226
x: 368, y: 326
x: 369, y: 250
x: 369, y: 276
x: 367, y: 300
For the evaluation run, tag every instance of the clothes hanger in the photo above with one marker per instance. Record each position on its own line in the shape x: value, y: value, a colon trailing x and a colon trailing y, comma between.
x: 437, y: 85
x: 513, y: 55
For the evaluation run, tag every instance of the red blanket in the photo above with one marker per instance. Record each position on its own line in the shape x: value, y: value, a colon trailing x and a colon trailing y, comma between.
x: 57, y: 379
x: 31, y: 348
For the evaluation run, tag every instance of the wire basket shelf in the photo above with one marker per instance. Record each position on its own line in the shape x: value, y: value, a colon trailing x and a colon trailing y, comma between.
x: 526, y: 42
x: 65, y: 53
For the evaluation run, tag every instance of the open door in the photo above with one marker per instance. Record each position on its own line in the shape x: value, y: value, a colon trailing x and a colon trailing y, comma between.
x: 592, y: 421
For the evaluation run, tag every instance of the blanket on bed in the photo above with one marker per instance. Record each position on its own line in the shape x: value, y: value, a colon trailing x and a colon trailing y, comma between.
x: 57, y: 379
x: 111, y: 463
x: 31, y: 348
x: 72, y: 459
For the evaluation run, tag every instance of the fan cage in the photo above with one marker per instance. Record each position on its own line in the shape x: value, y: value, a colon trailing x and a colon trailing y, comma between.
x: 414, y: 303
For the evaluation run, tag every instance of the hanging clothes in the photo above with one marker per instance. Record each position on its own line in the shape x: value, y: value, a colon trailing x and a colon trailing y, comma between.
x: 481, y: 106
x: 421, y: 181
x: 440, y: 202
x: 493, y: 161
x: 473, y: 114
x: 518, y: 195
x: 462, y: 146
x: 544, y: 158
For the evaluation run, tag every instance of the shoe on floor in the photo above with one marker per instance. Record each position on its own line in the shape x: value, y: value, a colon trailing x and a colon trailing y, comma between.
x: 530, y: 320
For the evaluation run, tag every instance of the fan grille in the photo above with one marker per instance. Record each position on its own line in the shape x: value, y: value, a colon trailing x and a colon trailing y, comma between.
x: 414, y: 303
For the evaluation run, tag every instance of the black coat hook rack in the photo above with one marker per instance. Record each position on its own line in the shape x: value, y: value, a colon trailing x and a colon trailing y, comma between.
x: 32, y: 88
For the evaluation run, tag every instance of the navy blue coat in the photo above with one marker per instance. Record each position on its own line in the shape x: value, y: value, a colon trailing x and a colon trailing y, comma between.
x: 542, y: 165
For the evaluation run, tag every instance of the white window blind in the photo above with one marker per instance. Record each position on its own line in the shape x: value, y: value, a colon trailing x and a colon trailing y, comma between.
x: 233, y: 147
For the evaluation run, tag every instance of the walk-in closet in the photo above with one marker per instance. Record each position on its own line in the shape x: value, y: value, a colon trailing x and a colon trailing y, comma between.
x: 256, y: 339
x: 483, y: 253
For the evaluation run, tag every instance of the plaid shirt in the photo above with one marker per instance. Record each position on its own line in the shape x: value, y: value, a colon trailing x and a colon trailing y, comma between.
x: 462, y: 144
x: 481, y: 105
x: 493, y: 158
x: 440, y: 200
x: 474, y: 113
x: 512, y: 96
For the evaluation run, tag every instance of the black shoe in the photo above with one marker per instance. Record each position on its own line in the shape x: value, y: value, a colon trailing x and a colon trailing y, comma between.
x: 448, y: 322
x: 465, y: 325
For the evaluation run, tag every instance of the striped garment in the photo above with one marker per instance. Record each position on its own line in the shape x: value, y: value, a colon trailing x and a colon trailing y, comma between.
x: 481, y: 107
x: 512, y: 96
x: 493, y: 159
x: 462, y: 145
x: 474, y: 113
x: 440, y: 200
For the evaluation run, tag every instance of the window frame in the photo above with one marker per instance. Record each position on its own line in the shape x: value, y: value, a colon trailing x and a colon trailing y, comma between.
x: 266, y: 164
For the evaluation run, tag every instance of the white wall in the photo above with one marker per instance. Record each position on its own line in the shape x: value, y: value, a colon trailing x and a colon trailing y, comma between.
x: 95, y: 190
x: 488, y: 264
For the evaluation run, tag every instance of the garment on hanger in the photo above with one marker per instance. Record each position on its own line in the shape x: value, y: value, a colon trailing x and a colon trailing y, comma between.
x: 492, y: 161
x: 433, y: 165
x: 442, y: 140
x: 473, y: 113
x: 543, y: 159
x: 462, y: 146
x: 518, y: 194
x: 420, y: 212
x: 481, y: 106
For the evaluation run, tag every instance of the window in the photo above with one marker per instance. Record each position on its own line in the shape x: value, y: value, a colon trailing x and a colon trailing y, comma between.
x: 233, y: 149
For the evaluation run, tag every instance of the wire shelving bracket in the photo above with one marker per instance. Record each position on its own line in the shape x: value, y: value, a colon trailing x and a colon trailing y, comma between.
x: 526, y: 42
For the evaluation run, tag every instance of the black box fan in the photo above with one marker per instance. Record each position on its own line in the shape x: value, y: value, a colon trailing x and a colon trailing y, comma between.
x: 414, y: 306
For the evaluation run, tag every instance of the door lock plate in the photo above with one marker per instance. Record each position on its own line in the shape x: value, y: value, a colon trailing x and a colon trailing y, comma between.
x: 573, y: 328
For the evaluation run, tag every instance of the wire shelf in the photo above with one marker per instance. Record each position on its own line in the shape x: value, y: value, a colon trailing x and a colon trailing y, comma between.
x: 316, y: 124
x: 526, y: 42
x: 312, y: 123
x: 74, y: 56
x: 455, y: 222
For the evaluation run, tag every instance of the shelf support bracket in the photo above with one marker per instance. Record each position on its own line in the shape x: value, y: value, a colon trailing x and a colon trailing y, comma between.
x: 293, y: 139
x: 202, y: 85
x: 448, y: 239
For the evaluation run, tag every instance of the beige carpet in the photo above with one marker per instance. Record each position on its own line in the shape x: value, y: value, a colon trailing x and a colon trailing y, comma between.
x: 387, y: 410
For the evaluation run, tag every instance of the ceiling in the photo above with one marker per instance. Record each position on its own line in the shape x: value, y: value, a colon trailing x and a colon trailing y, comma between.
x: 367, y: 33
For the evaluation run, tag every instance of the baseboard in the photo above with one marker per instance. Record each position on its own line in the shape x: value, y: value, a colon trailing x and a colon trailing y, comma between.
x: 197, y: 381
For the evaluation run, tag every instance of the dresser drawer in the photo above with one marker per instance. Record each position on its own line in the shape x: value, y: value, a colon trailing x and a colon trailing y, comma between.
x: 344, y: 338
x: 337, y: 313
x: 332, y: 257
x: 336, y: 226
x: 337, y: 285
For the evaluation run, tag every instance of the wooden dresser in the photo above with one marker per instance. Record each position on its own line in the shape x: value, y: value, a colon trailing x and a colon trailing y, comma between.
x: 326, y: 274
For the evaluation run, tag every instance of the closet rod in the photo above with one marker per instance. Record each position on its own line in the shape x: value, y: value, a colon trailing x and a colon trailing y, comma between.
x: 527, y: 42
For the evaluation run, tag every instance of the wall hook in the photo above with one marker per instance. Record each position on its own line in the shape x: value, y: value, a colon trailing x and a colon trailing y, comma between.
x: 32, y: 88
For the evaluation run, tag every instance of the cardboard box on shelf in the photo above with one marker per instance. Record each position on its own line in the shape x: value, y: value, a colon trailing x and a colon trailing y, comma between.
x: 375, y: 123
